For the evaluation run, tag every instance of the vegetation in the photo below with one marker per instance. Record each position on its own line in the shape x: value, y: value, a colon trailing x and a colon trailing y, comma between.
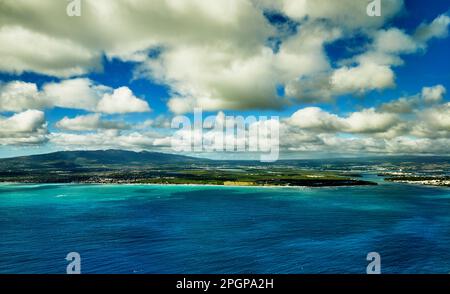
x: 114, y: 166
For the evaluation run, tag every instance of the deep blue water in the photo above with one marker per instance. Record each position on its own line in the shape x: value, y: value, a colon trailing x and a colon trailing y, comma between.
x: 185, y: 229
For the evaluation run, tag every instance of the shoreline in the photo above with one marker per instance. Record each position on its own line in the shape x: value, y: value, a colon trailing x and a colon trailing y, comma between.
x: 225, y: 186
x: 185, y: 185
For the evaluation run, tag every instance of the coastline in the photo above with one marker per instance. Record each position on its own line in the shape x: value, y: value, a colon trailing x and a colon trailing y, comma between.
x: 223, y: 186
x: 180, y: 185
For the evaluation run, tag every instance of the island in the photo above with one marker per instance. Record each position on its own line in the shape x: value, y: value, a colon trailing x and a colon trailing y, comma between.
x: 443, y: 181
x: 128, y: 167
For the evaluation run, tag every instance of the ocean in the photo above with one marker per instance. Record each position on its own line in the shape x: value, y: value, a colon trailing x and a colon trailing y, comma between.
x: 206, y: 229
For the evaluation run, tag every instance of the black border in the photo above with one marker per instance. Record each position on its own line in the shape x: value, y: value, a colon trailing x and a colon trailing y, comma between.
x: 281, y: 282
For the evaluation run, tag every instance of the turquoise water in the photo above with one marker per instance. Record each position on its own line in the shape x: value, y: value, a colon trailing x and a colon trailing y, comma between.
x: 186, y: 229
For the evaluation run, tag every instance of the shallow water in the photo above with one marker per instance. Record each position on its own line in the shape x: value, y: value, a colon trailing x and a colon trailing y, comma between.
x: 188, y: 229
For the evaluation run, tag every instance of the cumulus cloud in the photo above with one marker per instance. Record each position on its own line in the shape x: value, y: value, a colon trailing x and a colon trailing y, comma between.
x: 438, y: 28
x: 365, y: 121
x: 17, y: 96
x: 216, y: 81
x: 78, y: 93
x: 25, y: 50
x: 404, y: 126
x: 408, y: 145
x: 373, y: 69
x: 223, y: 77
x: 315, y: 118
x: 104, y: 139
x: 394, y: 41
x: 242, y: 82
x: 408, y: 125
x: 438, y: 117
x: 347, y: 13
x: 28, y: 127
x: 334, y: 144
x: 213, y: 54
x: 388, y: 44
x: 360, y: 79
x: 75, y: 45
x: 433, y: 122
x: 370, y: 121
x: 429, y: 96
x: 161, y: 121
x: 122, y: 100
x: 433, y: 94
x: 401, y: 105
x: 310, y: 129
x: 368, y: 71
x: 89, y: 122
x: 218, y: 55
x: 225, y: 38
x: 310, y: 89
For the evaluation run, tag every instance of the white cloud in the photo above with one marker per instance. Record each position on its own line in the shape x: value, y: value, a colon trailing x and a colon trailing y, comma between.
x: 437, y: 118
x: 370, y: 121
x: 373, y: 70
x: 315, y: 118
x: 394, y: 41
x: 24, y: 122
x: 408, y: 145
x: 365, y: 121
x: 104, y: 139
x: 362, y: 78
x: 419, y: 131
x: 28, y: 127
x: 333, y: 144
x: 213, y: 55
x: 89, y: 122
x: 401, y: 105
x: 216, y: 78
x: 438, y: 28
x: 309, y: 129
x: 429, y: 96
x: 368, y: 71
x: 65, y: 46
x: 18, y: 96
x: 348, y: 13
x: 388, y: 44
x: 25, y: 50
x: 311, y: 89
x: 122, y: 100
x: 433, y: 94
x: 78, y: 93
x: 161, y: 121
x: 227, y: 80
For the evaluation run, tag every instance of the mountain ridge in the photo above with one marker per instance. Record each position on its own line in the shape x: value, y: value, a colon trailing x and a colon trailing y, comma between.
x: 74, y: 159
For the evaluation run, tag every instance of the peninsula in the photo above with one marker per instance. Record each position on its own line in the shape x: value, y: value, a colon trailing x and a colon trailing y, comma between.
x: 128, y: 167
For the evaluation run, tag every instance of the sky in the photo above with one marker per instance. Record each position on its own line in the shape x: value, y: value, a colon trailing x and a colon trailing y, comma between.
x: 342, y: 83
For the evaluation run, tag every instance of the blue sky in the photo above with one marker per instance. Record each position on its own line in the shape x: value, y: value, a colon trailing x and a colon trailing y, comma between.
x: 340, y: 81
